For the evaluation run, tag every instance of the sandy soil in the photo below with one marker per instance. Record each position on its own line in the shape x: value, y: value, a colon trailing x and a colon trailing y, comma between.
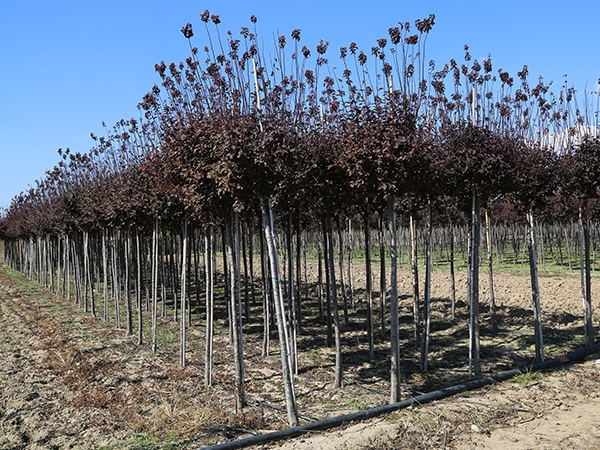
x: 560, y: 410
x: 68, y: 380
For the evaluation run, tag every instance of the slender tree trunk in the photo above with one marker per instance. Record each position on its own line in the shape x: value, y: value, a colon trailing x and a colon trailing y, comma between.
x: 91, y: 283
x: 76, y: 271
x: 320, y: 286
x: 190, y: 263
x: 427, y: 328
x: 226, y: 277
x: 58, y: 262
x: 147, y: 271
x: 50, y: 256
x: 369, y: 287
x: 349, y: 246
x: 208, y: 354
x: 88, y: 272
x: 452, y: 273
x: 233, y: 254
x: 174, y: 274
x: 339, y: 371
x: 61, y: 284
x: 246, y: 277
x: 586, y: 283
x: 128, y: 282
x: 40, y: 263
x: 183, y: 297
x: 138, y: 288
x: 382, y: 284
x: 115, y: 278
x: 155, y: 251
x: 31, y: 265
x: 415, y: 279
x: 197, y: 264
x: 568, y: 243
x: 288, y: 381
x: 395, y: 391
x: 515, y: 243
x: 105, y: 274
x: 341, y: 265
x: 493, y: 313
x: 306, y: 285
x: 164, y: 277
x: 327, y: 285
x: 535, y: 291
x: 298, y: 298
x: 67, y: 265
x: 251, y: 259
x: 291, y: 296
x: 266, y: 299
x: 542, y: 249
x: 474, y: 364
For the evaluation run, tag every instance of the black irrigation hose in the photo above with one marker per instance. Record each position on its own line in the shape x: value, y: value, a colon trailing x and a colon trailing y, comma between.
x: 420, y: 399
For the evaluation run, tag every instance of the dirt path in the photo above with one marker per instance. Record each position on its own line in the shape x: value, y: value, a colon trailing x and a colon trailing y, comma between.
x: 41, y: 381
x: 68, y: 380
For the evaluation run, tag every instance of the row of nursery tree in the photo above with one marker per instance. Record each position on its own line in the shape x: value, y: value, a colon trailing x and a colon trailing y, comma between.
x: 249, y: 151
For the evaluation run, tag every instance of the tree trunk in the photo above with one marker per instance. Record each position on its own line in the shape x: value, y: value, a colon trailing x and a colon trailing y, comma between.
x: 452, y: 273
x: 196, y: 253
x: 251, y: 260
x: 474, y: 365
x: 208, y: 354
x: 327, y: 285
x: 320, y: 285
x: 174, y: 274
x: 415, y: 279
x: 395, y: 391
x: 232, y: 249
x: 115, y: 278
x: 535, y: 290
x: 67, y: 265
x: 138, y: 288
x: 298, y: 299
x: 369, y: 287
x: 76, y: 271
x: 586, y: 283
x: 493, y: 314
x: 350, y: 245
x: 334, y: 305
x: 382, y: 284
x: 127, y: 283
x: 427, y: 312
x: 341, y: 265
x: 266, y: 299
x: 164, y: 278
x: 105, y: 274
x: 568, y: 243
x: 246, y: 277
x: 291, y: 295
x: 288, y: 381
x: 183, y: 321
x: 89, y: 276
x: 155, y: 253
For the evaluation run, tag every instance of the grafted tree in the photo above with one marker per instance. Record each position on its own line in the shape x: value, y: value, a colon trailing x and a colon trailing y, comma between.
x: 535, y: 182
x: 482, y: 167
x: 580, y: 178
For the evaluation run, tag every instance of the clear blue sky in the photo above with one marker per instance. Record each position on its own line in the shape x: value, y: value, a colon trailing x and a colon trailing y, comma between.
x: 66, y: 66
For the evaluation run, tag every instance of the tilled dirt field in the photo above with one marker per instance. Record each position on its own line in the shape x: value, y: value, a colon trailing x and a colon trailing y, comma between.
x: 68, y: 380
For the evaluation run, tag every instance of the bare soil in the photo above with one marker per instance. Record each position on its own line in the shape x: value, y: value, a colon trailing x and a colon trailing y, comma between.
x: 68, y: 380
